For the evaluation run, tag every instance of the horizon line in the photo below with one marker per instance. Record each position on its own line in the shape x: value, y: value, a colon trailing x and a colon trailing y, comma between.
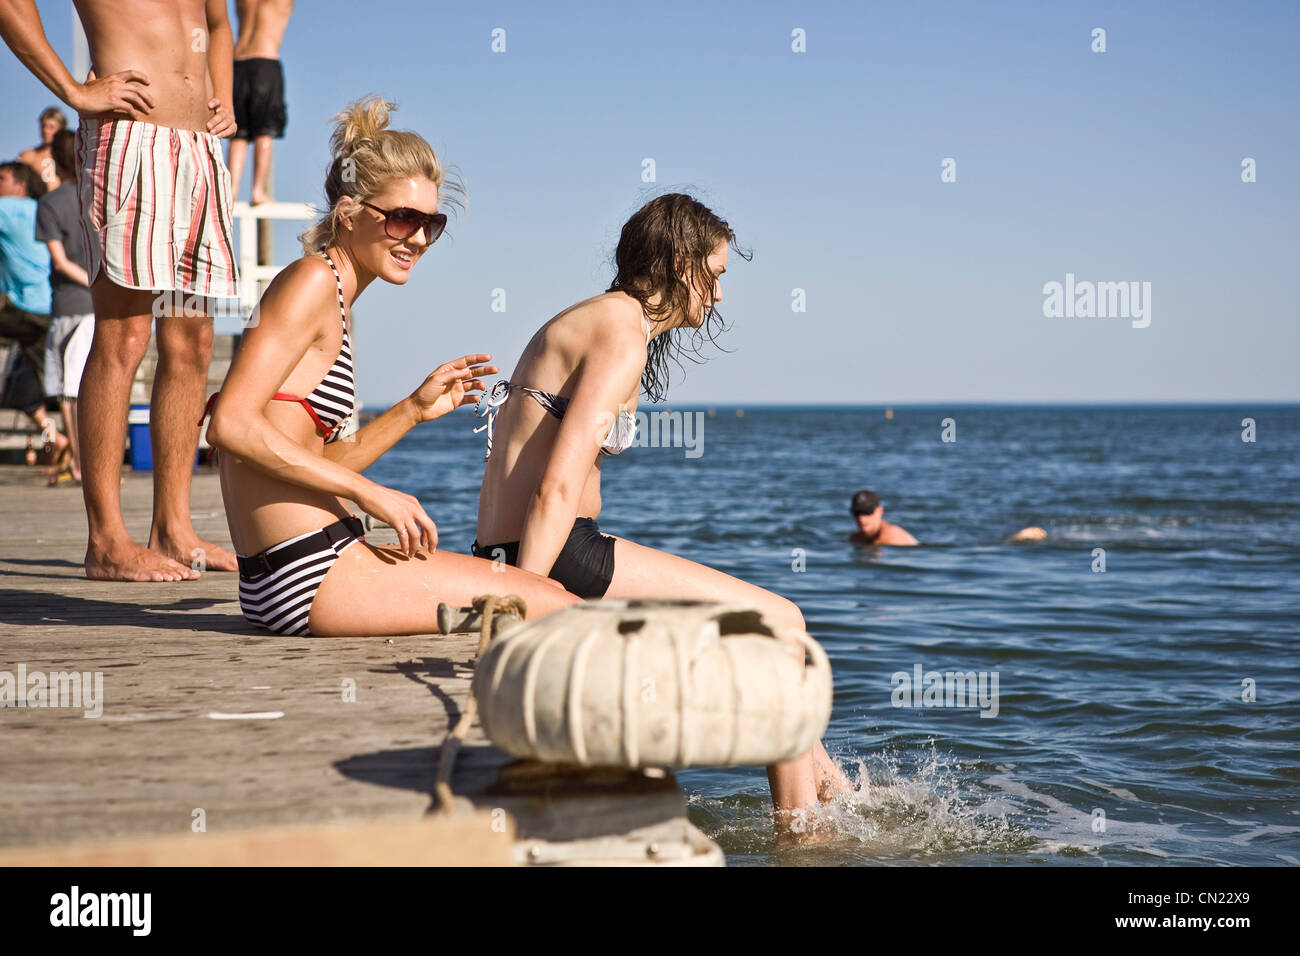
x: 885, y: 406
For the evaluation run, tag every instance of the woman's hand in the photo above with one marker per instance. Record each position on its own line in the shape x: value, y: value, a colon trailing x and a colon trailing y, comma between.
x: 403, y: 512
x: 451, y: 385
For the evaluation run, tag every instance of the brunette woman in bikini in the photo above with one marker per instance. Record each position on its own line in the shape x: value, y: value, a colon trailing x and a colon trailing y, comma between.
x: 574, y: 391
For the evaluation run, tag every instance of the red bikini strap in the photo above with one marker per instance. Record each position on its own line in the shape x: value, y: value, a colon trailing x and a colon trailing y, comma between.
x: 207, y: 409
x: 277, y: 397
x: 282, y: 397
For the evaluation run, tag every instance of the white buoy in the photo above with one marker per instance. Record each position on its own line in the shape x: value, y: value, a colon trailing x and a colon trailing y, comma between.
x: 654, y: 684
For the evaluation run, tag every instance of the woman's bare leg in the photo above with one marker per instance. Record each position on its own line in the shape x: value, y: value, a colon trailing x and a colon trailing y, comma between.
x: 379, y: 591
x: 641, y: 572
x: 69, y: 408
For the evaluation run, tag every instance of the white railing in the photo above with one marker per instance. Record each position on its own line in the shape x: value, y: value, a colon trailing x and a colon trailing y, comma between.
x: 252, y: 276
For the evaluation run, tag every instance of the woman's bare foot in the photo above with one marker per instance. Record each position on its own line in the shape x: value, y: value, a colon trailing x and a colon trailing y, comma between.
x: 60, y: 452
x: 128, y: 561
x: 801, y: 827
x: 193, y: 552
x: 830, y: 778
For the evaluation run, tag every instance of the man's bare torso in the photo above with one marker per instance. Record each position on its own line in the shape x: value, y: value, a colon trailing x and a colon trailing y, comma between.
x: 165, y: 39
x: 261, y: 27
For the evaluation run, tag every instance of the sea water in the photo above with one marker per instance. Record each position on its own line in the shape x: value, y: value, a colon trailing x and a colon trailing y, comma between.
x: 1148, y: 675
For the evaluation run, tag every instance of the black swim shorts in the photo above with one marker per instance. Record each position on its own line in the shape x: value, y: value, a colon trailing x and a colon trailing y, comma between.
x: 585, y: 565
x: 259, y: 98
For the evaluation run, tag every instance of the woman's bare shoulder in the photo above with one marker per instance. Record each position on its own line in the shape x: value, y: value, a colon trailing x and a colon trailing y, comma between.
x: 309, y: 274
x: 610, y: 319
x: 302, y: 291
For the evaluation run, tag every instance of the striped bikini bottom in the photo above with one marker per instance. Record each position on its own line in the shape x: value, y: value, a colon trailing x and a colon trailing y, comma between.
x: 277, y: 586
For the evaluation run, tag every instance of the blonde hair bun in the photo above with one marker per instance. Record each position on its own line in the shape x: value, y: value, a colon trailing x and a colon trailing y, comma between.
x: 366, y: 156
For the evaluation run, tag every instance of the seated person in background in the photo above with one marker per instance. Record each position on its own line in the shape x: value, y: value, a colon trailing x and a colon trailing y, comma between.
x: 872, y: 526
x: 25, y: 301
x: 39, y: 157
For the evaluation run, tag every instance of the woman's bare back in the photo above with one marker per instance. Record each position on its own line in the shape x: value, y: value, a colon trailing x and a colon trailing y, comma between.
x: 553, y: 361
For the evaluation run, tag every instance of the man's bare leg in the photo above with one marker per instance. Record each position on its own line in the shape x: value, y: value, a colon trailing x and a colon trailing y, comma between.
x: 261, y: 169
x: 122, y: 321
x: 235, y: 162
x: 184, y: 351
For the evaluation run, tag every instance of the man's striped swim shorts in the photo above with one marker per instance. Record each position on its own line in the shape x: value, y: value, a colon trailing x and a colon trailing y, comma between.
x: 156, y: 207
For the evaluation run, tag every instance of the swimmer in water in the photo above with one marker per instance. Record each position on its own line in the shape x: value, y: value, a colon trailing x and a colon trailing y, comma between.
x: 873, y: 529
x: 1032, y: 533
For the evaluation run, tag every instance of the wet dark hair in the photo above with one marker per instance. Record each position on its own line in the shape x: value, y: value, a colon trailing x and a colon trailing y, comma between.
x: 23, y: 173
x: 864, y: 502
x: 63, y: 150
x: 670, y: 229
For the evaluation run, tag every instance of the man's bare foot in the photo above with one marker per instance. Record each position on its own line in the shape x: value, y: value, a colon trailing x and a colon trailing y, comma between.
x: 193, y: 552
x: 128, y: 561
x: 258, y: 199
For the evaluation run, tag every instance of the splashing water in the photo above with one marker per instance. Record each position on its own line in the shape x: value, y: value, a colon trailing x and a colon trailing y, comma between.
x: 908, y: 808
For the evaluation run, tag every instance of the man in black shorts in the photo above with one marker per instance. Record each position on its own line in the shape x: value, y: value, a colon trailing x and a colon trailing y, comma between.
x: 260, y: 113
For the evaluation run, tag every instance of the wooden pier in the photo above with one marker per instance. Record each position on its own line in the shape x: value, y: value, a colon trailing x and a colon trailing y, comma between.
x: 221, y: 743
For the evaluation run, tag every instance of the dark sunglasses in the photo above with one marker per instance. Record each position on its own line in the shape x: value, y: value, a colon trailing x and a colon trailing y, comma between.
x: 404, y: 222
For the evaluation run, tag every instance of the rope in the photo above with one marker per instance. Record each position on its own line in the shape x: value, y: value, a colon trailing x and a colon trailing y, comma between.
x: 487, y: 605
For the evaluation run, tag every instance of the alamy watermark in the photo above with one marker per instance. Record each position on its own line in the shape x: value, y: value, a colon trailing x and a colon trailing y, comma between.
x: 946, y: 689
x: 1098, y: 300
x: 129, y: 910
x: 176, y: 302
x: 659, y: 429
x: 53, y: 689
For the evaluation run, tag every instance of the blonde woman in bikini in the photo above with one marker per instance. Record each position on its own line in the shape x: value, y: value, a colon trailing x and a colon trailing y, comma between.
x: 304, y: 567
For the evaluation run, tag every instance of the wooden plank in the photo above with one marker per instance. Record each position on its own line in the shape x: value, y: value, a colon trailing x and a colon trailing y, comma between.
x: 267, y: 744
x: 362, y: 718
x: 479, y: 839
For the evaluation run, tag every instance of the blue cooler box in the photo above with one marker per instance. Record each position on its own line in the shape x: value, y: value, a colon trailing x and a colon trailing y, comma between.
x: 137, y: 428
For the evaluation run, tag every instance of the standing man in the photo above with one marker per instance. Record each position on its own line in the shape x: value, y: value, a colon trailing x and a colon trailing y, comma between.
x: 155, y: 201
x: 260, y: 113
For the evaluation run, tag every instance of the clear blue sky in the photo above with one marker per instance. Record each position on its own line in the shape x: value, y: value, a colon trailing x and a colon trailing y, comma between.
x: 1115, y: 167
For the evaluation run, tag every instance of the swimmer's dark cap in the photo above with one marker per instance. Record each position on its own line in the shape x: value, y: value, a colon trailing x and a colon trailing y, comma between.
x: 864, y: 502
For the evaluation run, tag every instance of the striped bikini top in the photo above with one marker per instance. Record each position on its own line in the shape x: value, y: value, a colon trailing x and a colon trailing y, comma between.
x: 622, y: 430
x: 331, y: 403
x: 620, y: 437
